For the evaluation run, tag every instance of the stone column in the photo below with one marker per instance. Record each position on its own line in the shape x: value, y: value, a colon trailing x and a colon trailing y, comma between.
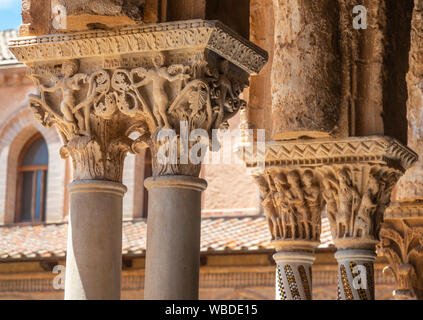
x: 293, y: 271
x: 173, y: 239
x: 355, y: 268
x: 292, y: 203
x: 306, y: 71
x: 159, y: 82
x: 356, y: 195
x: 402, y: 233
x: 94, y: 253
x: 351, y: 179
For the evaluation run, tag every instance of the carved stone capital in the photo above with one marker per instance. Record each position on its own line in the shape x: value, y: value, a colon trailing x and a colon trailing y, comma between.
x: 293, y: 205
x: 351, y: 179
x: 402, y: 245
x: 113, y: 92
x: 182, y: 35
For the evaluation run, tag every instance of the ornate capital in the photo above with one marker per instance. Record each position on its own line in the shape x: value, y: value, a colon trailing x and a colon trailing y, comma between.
x: 292, y: 200
x: 182, y: 35
x: 356, y: 197
x: 110, y: 93
x: 402, y: 245
x: 349, y: 179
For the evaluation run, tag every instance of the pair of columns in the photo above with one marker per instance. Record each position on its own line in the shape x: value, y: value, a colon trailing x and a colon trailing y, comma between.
x: 328, y: 103
x: 348, y: 179
x: 94, y: 253
x: 160, y: 86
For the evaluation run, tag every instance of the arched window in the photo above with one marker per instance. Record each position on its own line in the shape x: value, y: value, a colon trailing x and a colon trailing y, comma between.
x: 32, y: 181
x: 148, y: 171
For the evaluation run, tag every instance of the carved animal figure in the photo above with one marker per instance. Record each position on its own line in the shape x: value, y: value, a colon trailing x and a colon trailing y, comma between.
x: 226, y: 95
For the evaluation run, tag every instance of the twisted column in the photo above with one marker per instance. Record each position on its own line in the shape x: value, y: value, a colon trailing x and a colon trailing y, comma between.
x: 293, y: 274
x: 356, y: 274
x: 351, y: 181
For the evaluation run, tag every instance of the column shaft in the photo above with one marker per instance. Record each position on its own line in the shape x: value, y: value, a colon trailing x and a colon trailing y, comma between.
x: 173, y: 239
x: 94, y: 254
x: 293, y: 275
x: 356, y: 274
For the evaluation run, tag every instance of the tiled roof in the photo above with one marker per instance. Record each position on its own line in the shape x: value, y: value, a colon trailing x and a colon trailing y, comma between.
x: 219, y: 235
x: 6, y: 57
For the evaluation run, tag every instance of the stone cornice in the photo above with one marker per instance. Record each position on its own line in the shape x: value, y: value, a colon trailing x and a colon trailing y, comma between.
x: 399, y: 211
x: 180, y: 35
x: 320, y: 152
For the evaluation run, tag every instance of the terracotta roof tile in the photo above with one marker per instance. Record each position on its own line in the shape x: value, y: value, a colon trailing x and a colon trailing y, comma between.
x: 218, y: 235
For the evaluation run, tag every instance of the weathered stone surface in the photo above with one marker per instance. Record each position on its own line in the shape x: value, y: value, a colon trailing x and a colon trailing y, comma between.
x: 402, y: 241
x: 222, y: 10
x: 82, y: 15
x: 259, y: 111
x: 363, y: 53
x: 410, y: 186
x: 35, y: 17
x: 53, y: 16
x: 306, y: 70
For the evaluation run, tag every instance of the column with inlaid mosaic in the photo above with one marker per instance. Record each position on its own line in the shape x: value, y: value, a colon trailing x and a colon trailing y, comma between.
x: 357, y: 191
x: 349, y: 180
x: 293, y: 275
x: 356, y: 274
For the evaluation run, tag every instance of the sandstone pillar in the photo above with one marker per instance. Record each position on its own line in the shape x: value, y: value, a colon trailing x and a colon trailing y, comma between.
x: 159, y: 82
x: 306, y: 71
x: 402, y: 232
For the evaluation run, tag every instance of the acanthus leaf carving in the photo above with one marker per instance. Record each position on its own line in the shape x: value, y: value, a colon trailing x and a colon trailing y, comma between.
x: 107, y: 105
x: 402, y: 245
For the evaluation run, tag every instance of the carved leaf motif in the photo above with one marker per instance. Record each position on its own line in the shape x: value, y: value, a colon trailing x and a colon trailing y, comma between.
x: 193, y: 104
x: 127, y: 101
x: 392, y: 235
